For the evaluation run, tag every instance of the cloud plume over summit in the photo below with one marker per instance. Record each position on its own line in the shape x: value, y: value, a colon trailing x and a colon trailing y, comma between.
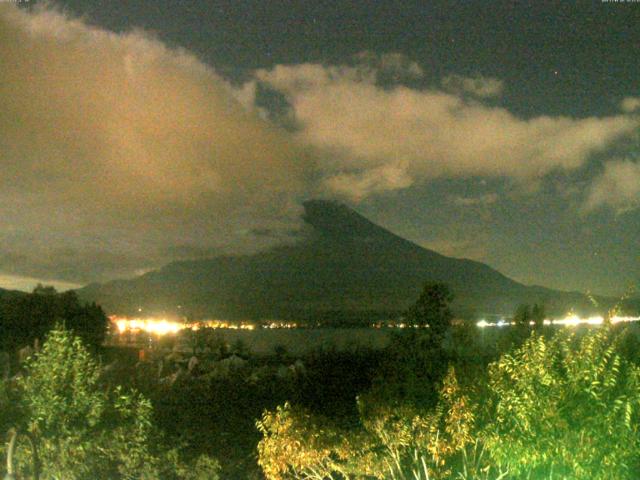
x: 115, y: 148
x: 119, y: 154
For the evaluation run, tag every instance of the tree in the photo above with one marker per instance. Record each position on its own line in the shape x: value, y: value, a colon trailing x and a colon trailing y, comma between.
x: 82, y: 430
x: 41, y: 289
x: 398, y: 442
x: 296, y: 444
x: 433, y: 308
x: 240, y: 348
x: 415, y: 359
x: 522, y: 315
x: 23, y: 318
x: 538, y: 315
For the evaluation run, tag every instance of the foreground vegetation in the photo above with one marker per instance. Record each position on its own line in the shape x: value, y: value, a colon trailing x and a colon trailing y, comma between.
x: 443, y: 402
x: 561, y: 407
x: 554, y: 405
x: 82, y: 428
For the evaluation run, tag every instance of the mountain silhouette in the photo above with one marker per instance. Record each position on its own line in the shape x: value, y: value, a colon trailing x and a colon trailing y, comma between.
x: 343, y: 267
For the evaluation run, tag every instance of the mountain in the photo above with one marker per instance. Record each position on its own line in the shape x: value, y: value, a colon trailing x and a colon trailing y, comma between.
x: 344, y: 266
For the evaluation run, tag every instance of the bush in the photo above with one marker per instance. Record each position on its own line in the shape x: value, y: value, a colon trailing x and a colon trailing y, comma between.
x: 83, y: 431
x: 398, y: 442
x: 565, y: 408
x: 419, y: 443
x: 296, y: 444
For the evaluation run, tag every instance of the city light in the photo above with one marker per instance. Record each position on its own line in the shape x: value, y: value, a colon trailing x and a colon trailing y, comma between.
x: 571, y: 320
x: 163, y: 326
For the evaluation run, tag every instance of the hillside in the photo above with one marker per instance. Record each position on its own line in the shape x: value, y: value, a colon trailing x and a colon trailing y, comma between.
x: 344, y: 265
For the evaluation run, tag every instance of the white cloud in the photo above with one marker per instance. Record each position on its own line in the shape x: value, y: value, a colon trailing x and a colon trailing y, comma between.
x: 485, y: 199
x: 481, y: 87
x: 358, y: 186
x: 617, y: 187
x: 113, y: 148
x: 365, y: 129
x: 118, y: 154
x: 630, y: 104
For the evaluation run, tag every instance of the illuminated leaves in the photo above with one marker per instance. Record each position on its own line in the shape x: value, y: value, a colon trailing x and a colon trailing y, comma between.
x: 566, y: 406
x: 83, y: 431
x: 297, y: 445
x: 400, y: 441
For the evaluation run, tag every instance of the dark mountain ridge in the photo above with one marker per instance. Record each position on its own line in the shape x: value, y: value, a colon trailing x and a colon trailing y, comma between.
x: 343, y: 266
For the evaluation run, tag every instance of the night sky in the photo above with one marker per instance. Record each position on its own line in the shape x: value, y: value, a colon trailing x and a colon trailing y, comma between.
x: 136, y: 133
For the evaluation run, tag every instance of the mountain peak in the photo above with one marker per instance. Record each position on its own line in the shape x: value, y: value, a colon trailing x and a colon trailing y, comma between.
x: 348, y: 265
x: 329, y: 217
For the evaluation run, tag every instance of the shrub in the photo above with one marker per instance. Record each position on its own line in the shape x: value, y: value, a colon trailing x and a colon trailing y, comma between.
x: 401, y: 441
x: 83, y: 431
x: 421, y: 443
x: 565, y: 408
x: 296, y: 444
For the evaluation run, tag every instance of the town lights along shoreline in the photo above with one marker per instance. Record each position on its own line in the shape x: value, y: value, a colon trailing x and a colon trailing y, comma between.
x: 570, y: 320
x: 162, y: 326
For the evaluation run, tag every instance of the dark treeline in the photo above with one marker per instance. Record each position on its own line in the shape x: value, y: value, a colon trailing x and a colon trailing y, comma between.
x: 25, y: 317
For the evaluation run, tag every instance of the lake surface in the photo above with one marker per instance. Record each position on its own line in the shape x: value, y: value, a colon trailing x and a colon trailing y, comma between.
x: 296, y: 341
x: 301, y: 340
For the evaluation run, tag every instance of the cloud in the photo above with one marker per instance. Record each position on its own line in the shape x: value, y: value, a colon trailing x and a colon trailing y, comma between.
x: 481, y: 87
x: 630, y: 104
x: 119, y: 154
x: 486, y: 199
x: 114, y: 148
x: 475, y: 248
x: 358, y: 186
x: 617, y: 187
x: 378, y: 137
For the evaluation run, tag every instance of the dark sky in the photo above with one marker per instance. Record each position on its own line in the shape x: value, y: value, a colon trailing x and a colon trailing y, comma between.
x: 500, y: 131
x: 566, y: 58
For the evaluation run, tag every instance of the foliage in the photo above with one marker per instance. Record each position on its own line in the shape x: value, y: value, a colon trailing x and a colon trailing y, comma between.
x: 433, y: 308
x: 203, y: 468
x: 400, y: 441
x: 240, y: 348
x: 538, y: 315
x: 414, y: 366
x: 522, y: 316
x: 565, y: 408
x: 296, y: 444
x: 418, y: 443
x: 416, y: 360
x: 561, y: 407
x: 526, y: 318
x: 25, y: 317
x: 83, y: 431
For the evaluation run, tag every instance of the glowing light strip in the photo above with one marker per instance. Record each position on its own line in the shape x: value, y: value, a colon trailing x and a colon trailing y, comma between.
x: 162, y: 326
x: 568, y: 321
